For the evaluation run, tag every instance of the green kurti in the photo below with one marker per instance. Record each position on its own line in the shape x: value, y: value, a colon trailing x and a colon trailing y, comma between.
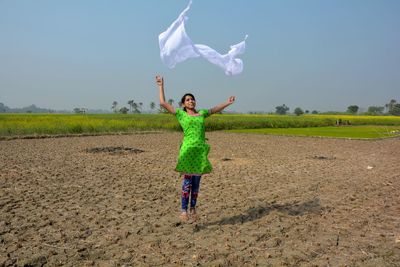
x: 194, y: 149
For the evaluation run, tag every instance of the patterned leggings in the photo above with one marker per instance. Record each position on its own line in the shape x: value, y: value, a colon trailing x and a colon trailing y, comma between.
x: 190, y: 186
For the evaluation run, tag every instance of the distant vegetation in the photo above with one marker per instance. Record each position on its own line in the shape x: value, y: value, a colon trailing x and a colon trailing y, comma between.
x: 129, y: 119
x: 391, y: 108
x: 28, y: 109
x: 35, y: 109
x: 53, y: 124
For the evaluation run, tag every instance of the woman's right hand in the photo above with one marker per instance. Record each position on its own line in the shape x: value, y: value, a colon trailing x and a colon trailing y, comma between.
x: 231, y: 100
x: 159, y: 80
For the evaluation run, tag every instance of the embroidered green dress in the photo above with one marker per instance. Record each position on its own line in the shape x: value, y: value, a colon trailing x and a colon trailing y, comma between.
x: 194, y: 149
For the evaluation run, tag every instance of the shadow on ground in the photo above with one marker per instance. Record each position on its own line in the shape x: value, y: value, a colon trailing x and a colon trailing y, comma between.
x: 293, y: 209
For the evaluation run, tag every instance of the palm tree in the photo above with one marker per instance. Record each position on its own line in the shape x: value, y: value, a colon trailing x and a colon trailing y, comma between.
x: 114, y: 106
x: 152, y: 106
x: 135, y: 108
x: 130, y: 103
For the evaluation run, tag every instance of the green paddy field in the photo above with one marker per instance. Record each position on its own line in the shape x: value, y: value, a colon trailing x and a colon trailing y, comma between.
x: 31, y: 125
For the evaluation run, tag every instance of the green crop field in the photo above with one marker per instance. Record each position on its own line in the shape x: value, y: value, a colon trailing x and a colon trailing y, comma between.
x: 64, y: 124
x: 356, y: 132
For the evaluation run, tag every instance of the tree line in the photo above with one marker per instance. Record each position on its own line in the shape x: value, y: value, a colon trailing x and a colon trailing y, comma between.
x: 137, y: 107
x: 391, y: 108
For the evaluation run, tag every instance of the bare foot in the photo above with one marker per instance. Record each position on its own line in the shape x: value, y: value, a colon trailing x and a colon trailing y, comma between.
x: 184, y: 216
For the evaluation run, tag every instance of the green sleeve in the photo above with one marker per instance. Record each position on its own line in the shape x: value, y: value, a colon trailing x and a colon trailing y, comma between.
x: 178, y: 113
x: 205, y: 113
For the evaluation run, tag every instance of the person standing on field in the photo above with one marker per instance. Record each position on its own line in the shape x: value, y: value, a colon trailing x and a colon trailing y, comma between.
x: 193, y: 155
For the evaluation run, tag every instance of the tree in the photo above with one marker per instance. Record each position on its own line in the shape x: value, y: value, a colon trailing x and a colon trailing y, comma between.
x: 389, y: 106
x: 307, y: 111
x: 298, y: 111
x: 393, y: 107
x: 80, y: 110
x: 353, y: 109
x: 314, y: 112
x: 135, y: 108
x: 374, y: 110
x: 124, y: 110
x: 152, y: 106
x: 162, y: 110
x: 130, y: 103
x: 281, y: 110
x: 395, y: 110
x: 170, y: 101
x: 114, y: 106
x: 3, y: 108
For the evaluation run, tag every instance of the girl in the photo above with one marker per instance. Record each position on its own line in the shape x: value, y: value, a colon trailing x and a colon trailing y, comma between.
x: 192, y: 160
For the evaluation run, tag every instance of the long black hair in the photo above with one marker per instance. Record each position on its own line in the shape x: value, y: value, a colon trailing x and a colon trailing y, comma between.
x: 184, y: 97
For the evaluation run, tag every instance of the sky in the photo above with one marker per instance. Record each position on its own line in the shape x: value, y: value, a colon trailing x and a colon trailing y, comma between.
x: 313, y: 54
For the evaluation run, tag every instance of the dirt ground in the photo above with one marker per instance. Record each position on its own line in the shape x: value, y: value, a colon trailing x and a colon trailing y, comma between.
x: 270, y: 201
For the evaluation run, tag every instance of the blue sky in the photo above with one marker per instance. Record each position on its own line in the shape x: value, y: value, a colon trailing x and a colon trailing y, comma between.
x: 317, y: 55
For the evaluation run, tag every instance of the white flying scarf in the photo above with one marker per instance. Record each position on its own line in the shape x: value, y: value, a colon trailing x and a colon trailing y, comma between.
x: 176, y: 46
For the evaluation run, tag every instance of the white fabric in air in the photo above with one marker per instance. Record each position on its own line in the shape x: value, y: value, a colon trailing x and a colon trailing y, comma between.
x: 176, y: 46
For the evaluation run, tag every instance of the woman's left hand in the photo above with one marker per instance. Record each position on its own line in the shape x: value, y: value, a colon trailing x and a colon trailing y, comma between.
x: 231, y: 99
x: 159, y: 80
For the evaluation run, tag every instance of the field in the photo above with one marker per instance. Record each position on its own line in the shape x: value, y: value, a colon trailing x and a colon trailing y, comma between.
x: 113, y: 200
x: 57, y: 124
x: 98, y: 197
x: 355, y: 132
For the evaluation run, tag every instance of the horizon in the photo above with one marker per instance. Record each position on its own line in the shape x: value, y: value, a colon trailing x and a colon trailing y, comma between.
x: 361, y: 110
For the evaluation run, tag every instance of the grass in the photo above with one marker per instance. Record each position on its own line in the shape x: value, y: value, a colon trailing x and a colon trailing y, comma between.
x: 61, y: 124
x: 356, y: 132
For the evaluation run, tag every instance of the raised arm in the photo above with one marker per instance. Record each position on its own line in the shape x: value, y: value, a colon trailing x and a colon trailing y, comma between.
x: 222, y: 106
x: 160, y: 83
